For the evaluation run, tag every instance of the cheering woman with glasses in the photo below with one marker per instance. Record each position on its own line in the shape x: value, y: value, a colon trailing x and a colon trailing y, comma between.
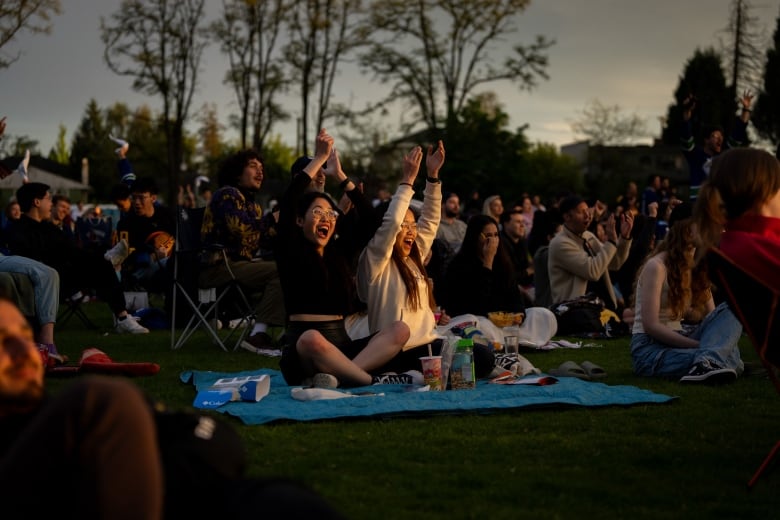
x: 480, y: 278
x: 318, y: 288
x: 391, y: 273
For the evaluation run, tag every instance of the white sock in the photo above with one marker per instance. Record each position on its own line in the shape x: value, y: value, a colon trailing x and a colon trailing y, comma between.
x: 258, y: 328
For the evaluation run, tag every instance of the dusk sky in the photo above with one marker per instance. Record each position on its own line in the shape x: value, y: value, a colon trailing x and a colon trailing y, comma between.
x: 625, y: 52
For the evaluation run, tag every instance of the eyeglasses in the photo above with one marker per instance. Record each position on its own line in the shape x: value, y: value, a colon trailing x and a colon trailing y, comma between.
x: 141, y: 197
x: 325, y: 214
x: 407, y: 226
x: 488, y: 235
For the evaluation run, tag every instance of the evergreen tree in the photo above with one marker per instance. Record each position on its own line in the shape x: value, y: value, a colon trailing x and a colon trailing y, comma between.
x: 703, y: 77
x: 766, y: 116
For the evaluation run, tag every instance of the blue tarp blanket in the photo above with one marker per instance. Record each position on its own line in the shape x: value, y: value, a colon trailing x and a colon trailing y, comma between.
x: 396, y: 400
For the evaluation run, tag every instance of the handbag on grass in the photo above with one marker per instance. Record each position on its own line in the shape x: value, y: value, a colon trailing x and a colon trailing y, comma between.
x: 579, y: 315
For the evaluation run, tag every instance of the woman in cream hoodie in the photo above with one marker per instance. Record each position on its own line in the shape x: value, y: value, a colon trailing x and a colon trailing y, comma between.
x: 391, y: 276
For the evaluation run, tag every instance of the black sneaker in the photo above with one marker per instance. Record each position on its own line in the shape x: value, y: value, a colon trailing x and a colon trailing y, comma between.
x: 411, y: 377
x: 705, y: 372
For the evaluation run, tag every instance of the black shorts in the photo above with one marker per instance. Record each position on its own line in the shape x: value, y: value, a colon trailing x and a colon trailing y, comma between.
x: 333, y: 331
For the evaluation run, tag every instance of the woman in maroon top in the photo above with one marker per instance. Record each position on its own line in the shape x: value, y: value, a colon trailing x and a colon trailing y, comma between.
x: 318, y: 287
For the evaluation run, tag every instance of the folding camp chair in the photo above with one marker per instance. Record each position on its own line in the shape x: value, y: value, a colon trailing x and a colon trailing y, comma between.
x: 202, y: 309
x: 757, y: 307
x: 72, y: 307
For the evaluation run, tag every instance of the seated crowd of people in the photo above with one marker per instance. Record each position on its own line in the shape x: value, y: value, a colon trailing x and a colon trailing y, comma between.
x: 312, y: 262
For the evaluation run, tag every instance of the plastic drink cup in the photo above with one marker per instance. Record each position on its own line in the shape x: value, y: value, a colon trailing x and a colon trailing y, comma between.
x: 431, y: 369
x: 511, y: 345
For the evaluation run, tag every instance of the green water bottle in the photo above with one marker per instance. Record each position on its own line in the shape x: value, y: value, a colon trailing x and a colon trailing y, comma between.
x: 462, y: 371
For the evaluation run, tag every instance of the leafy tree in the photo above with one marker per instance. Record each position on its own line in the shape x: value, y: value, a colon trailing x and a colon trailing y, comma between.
x: 742, y: 48
x: 435, y: 54
x: 59, y: 151
x: 90, y: 141
x: 278, y: 158
x: 159, y: 43
x: 18, y: 15
x: 547, y: 172
x: 607, y: 125
x: 211, y: 148
x: 482, y: 153
x: 322, y: 33
x: 766, y: 116
x: 248, y: 32
x: 703, y: 78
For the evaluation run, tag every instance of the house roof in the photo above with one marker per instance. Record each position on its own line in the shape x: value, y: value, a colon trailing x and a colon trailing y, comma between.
x: 41, y: 170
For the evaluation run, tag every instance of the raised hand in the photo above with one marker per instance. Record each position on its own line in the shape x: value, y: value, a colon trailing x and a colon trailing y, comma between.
x: 323, y: 145
x: 488, y: 251
x: 626, y: 224
x: 434, y: 159
x: 412, y: 162
x: 333, y: 165
x: 746, y: 100
x: 688, y: 104
x: 609, y: 228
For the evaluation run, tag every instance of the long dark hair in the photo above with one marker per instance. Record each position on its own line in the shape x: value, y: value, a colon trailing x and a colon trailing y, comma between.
x: 469, y: 250
x: 407, y: 274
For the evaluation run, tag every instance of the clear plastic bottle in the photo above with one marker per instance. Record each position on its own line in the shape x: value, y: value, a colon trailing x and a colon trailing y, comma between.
x: 462, y: 372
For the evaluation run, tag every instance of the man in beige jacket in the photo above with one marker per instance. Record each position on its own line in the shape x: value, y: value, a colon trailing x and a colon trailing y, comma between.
x: 578, y: 262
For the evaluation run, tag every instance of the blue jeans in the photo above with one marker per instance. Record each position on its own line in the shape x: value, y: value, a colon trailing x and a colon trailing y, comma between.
x: 718, y: 335
x: 45, y: 281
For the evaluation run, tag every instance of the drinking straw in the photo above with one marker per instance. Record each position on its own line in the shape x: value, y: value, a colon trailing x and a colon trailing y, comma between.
x: 430, y: 351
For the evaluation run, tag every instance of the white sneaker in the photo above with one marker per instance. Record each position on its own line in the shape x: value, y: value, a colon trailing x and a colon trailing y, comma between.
x: 130, y: 326
x: 117, y: 254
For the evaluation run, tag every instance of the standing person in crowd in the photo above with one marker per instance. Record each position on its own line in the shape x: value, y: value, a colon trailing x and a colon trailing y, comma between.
x: 480, y: 279
x: 578, y: 262
x: 493, y: 207
x: 670, y: 288
x: 319, y: 290
x: 232, y: 221
x: 34, y: 236
x: 451, y: 228
x: 391, y: 275
x: 699, y: 158
x: 739, y: 211
x: 115, y: 454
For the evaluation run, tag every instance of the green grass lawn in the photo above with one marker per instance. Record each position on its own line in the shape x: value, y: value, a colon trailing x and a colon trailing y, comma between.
x: 690, y: 458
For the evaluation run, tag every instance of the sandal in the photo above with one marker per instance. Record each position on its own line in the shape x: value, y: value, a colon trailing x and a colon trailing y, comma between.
x: 570, y: 369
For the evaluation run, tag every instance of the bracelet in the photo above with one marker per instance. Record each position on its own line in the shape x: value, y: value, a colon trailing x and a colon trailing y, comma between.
x: 746, y: 109
x: 625, y: 238
x: 434, y: 180
x: 406, y: 183
x: 344, y: 183
x: 612, y: 242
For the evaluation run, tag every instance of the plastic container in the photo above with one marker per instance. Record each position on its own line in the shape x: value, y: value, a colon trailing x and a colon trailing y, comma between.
x: 462, y: 375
